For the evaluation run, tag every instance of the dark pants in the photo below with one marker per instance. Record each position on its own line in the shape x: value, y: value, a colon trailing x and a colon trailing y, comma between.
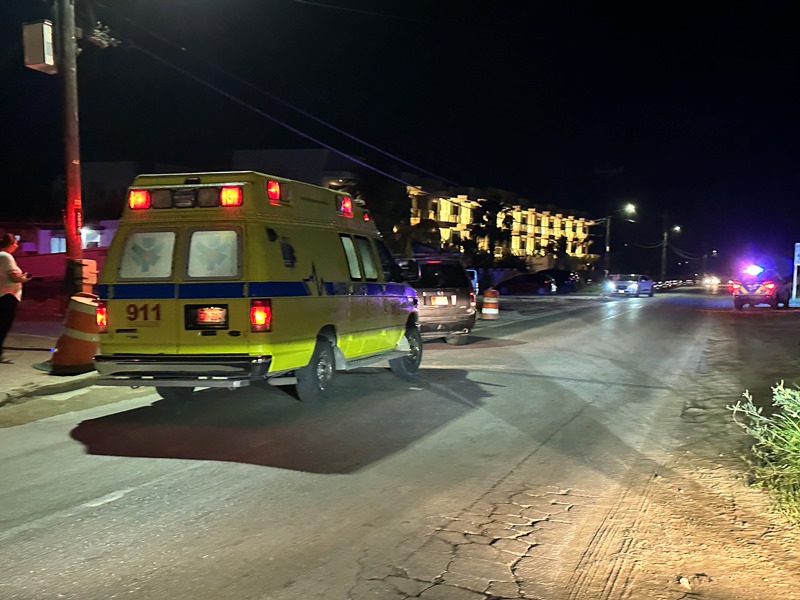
x: 8, y: 308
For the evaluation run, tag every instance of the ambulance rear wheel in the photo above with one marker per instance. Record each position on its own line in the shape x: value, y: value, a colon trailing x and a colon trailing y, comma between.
x: 408, y: 365
x: 175, y: 394
x: 315, y: 379
x: 738, y: 305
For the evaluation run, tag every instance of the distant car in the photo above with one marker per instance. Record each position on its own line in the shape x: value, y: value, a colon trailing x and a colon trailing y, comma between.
x: 629, y: 284
x: 447, y: 302
x: 566, y: 281
x: 528, y: 284
x: 759, y: 286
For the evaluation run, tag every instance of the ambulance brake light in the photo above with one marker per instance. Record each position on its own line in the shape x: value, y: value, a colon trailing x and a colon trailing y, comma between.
x: 260, y: 315
x: 102, y: 316
x: 274, y: 192
x: 230, y: 196
x: 138, y: 199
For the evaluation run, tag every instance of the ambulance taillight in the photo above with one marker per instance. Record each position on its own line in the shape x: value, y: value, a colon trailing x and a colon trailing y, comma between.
x: 102, y: 317
x: 230, y: 196
x: 260, y: 315
x: 138, y: 199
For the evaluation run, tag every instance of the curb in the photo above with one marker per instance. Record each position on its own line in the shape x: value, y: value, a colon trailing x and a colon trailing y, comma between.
x: 20, y: 394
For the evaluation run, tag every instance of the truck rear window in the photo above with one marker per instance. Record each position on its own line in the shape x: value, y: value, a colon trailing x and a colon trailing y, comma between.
x: 214, y: 253
x: 147, y: 255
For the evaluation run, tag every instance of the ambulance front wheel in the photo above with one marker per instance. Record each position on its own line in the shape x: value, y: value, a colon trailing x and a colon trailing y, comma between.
x: 175, y: 394
x: 315, y: 379
x: 408, y: 365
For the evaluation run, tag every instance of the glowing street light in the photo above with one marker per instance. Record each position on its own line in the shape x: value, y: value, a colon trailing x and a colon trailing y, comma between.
x: 628, y: 209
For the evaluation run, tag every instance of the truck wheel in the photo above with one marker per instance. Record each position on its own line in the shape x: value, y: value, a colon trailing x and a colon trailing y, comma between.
x: 315, y: 379
x: 408, y: 365
x: 175, y: 394
x: 738, y: 305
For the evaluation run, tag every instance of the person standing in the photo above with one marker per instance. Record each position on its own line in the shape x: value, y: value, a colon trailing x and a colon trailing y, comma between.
x: 11, y: 280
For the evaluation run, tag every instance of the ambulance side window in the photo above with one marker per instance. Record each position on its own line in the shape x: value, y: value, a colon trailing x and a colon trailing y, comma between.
x: 367, y: 258
x: 147, y: 255
x: 391, y: 270
x: 352, y: 256
x: 213, y: 254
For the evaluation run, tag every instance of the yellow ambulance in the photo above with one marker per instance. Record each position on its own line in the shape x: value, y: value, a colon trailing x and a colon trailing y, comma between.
x: 220, y: 279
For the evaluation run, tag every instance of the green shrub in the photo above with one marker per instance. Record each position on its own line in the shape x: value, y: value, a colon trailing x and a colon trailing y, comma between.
x: 776, y: 452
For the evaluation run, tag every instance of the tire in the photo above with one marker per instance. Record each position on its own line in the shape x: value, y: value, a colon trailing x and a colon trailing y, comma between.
x: 315, y: 379
x: 738, y: 305
x: 459, y: 339
x: 408, y: 365
x: 175, y: 394
x: 652, y: 291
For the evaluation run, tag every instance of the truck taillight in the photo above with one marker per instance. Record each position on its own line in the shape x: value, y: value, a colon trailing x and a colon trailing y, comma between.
x: 473, y: 302
x: 139, y: 199
x: 260, y: 315
x: 102, y: 317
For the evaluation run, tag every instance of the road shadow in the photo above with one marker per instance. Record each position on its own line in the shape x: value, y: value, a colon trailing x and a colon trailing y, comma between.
x: 372, y: 415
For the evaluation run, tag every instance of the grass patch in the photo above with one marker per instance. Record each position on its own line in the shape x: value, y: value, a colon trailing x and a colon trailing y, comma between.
x: 775, y: 459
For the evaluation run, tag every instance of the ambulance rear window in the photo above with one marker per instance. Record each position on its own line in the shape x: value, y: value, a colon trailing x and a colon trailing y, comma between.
x: 214, y: 254
x: 147, y: 255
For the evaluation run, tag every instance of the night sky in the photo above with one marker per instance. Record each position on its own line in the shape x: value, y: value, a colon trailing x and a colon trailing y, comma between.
x: 689, y: 110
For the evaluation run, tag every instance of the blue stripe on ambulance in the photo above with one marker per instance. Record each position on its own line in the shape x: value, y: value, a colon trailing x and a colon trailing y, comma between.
x: 256, y: 289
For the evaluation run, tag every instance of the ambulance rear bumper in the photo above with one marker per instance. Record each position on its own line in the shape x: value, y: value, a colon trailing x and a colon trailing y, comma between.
x: 223, y: 370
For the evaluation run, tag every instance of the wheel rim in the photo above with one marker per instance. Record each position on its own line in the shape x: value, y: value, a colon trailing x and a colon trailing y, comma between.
x: 416, y: 350
x: 324, y: 372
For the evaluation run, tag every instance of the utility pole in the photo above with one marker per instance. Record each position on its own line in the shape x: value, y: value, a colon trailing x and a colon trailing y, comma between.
x: 68, y: 73
x: 664, y: 244
x: 607, y: 257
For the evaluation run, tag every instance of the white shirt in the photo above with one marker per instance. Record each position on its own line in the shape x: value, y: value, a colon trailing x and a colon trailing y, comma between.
x: 7, y: 285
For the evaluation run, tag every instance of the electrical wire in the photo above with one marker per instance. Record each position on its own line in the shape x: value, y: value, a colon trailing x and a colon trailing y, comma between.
x: 281, y: 101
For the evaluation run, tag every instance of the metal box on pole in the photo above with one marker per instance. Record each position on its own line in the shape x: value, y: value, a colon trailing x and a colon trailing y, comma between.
x: 37, y: 43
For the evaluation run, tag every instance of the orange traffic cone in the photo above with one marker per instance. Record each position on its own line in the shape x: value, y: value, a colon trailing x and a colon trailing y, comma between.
x: 491, y: 304
x: 75, y: 349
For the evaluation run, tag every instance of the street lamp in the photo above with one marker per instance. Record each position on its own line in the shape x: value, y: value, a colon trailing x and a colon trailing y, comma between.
x: 664, y: 245
x: 628, y: 209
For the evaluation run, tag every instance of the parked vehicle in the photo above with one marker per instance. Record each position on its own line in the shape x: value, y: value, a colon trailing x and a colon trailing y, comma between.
x: 629, y: 284
x: 447, y: 302
x: 759, y: 286
x: 566, y: 281
x: 528, y: 284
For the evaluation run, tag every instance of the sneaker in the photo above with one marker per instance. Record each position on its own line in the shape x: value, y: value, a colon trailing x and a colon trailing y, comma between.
x: 6, y: 361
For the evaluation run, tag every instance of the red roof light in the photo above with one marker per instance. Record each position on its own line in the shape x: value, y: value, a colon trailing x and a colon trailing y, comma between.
x: 274, y: 192
x: 138, y: 199
x: 346, y: 206
x: 230, y: 196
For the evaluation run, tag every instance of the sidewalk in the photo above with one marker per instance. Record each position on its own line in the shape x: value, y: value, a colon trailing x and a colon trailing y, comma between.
x: 29, y: 345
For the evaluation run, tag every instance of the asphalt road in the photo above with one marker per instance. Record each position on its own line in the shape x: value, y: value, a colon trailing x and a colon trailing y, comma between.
x: 513, y: 467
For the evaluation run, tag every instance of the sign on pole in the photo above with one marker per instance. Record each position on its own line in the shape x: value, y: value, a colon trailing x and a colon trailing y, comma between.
x: 794, y: 301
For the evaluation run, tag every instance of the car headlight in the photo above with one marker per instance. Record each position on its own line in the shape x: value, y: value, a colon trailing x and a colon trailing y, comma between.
x: 610, y: 285
x: 633, y: 287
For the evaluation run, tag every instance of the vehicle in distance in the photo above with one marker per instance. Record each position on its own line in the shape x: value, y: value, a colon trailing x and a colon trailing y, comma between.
x: 756, y: 285
x: 528, y: 284
x: 566, y: 281
x: 447, y: 301
x: 629, y: 284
